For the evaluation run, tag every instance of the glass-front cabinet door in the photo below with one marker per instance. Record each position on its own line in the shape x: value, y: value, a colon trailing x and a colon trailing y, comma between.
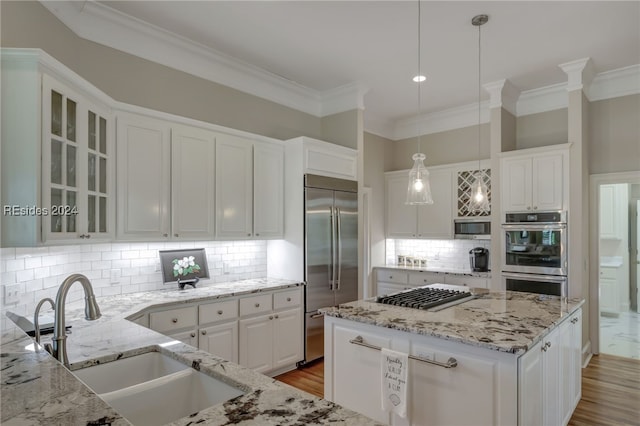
x: 77, y: 153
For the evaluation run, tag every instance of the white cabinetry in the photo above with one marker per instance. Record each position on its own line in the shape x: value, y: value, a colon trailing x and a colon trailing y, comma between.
x: 328, y: 159
x: 549, y: 385
x: 192, y: 183
x: 484, y: 381
x: 144, y: 178
x: 263, y: 332
x: 58, y: 154
x: 249, y: 189
x: 535, y: 180
x: 613, y: 211
x: 273, y: 341
x: 608, y: 289
x: 391, y: 281
x: 428, y: 221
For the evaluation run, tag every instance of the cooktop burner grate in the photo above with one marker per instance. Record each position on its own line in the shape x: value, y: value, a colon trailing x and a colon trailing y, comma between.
x: 423, y: 298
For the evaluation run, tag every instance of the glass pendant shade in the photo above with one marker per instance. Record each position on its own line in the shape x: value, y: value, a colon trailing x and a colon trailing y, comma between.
x: 479, y: 199
x: 419, y: 189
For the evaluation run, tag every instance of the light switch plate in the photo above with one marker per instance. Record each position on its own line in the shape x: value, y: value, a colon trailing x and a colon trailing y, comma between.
x: 11, y: 294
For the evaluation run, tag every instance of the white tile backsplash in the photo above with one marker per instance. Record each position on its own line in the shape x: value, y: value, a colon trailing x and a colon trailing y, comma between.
x: 450, y: 254
x: 117, y: 268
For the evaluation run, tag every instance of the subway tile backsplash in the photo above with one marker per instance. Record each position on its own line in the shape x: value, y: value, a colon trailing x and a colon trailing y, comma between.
x: 116, y: 268
x: 449, y: 254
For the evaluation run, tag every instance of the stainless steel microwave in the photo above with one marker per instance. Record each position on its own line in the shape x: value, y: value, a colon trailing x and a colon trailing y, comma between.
x: 476, y: 228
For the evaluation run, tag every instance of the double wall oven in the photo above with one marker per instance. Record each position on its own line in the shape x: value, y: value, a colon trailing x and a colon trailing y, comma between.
x: 535, y: 258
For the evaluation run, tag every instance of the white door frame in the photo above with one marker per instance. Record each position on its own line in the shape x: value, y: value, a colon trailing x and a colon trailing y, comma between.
x: 594, y: 231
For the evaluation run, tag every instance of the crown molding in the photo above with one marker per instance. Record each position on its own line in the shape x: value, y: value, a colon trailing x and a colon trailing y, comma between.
x: 548, y: 98
x: 441, y: 121
x: 503, y: 95
x: 616, y: 83
x: 579, y: 72
x: 104, y: 25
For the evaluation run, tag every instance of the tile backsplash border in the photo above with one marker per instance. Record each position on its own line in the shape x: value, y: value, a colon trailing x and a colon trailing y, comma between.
x: 115, y: 268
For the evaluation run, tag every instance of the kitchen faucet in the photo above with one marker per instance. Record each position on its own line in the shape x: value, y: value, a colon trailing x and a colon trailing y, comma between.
x: 91, y: 312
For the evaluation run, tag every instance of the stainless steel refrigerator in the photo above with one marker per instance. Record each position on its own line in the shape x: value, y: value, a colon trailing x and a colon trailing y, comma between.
x: 331, y: 252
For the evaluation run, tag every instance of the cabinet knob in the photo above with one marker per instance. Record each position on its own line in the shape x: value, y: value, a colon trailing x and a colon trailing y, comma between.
x: 81, y: 236
x: 248, y: 235
x: 390, y: 276
x: 288, y: 299
x: 176, y: 235
x: 204, y: 332
x: 528, y: 207
x: 220, y: 312
x: 276, y: 317
x: 193, y: 334
x: 165, y: 235
x: 535, y: 207
x: 257, y: 305
x: 174, y: 320
x: 270, y: 317
x: 257, y: 235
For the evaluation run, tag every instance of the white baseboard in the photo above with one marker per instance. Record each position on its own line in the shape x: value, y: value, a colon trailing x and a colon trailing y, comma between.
x: 586, y: 354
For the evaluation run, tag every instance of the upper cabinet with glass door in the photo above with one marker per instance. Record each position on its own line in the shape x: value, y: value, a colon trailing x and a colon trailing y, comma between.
x: 77, y: 172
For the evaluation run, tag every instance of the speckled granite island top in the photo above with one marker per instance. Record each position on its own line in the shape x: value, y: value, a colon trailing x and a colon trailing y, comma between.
x: 37, y: 390
x: 503, y: 321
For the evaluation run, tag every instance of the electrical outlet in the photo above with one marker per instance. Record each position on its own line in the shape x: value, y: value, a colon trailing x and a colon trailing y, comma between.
x: 11, y: 294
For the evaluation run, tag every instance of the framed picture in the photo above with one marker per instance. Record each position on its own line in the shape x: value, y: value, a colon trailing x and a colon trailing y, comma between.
x: 183, y: 266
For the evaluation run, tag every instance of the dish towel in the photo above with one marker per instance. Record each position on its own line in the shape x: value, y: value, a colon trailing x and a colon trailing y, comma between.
x: 395, y: 366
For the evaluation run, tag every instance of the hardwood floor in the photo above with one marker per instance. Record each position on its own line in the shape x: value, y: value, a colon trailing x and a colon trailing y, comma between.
x: 610, y: 390
x: 309, y: 378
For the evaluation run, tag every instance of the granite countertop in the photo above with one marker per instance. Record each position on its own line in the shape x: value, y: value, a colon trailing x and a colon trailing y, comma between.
x: 503, y: 321
x: 438, y: 269
x: 37, y: 389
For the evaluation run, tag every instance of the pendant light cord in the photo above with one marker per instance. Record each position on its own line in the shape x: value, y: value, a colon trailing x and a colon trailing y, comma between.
x: 479, y: 102
x: 419, y: 74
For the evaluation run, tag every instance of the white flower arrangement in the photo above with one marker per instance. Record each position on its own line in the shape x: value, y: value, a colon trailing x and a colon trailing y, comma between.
x: 185, y: 266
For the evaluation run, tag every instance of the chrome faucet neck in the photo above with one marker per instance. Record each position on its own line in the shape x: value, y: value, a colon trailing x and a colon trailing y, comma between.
x: 91, y: 309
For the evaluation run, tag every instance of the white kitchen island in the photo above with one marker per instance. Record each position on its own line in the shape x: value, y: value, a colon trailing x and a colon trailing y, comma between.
x: 517, y: 359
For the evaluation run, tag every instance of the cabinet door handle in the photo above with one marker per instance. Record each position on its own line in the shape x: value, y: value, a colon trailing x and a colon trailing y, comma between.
x: 220, y: 312
x: 288, y: 299
x: 174, y: 320
x: 248, y: 235
x: 257, y: 305
x: 204, y: 332
x: 528, y: 207
x: 165, y: 235
x: 574, y: 320
x: 193, y: 334
x: 270, y: 317
x: 276, y: 317
x: 257, y: 235
x: 390, y: 277
x: 176, y: 235
x: 535, y: 207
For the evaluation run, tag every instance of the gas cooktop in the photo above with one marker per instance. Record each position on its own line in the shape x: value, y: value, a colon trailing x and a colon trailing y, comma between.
x: 428, y: 297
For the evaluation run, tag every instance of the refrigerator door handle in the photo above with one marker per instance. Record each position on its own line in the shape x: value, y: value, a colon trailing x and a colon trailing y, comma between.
x: 339, y: 250
x: 332, y: 279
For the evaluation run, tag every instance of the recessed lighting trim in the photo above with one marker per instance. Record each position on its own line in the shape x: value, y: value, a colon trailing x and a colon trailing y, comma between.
x: 419, y: 78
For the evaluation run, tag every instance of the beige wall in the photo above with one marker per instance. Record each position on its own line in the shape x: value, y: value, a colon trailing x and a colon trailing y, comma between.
x: 136, y: 81
x: 542, y: 129
x: 453, y: 146
x: 376, y: 159
x: 342, y: 129
x: 614, y: 135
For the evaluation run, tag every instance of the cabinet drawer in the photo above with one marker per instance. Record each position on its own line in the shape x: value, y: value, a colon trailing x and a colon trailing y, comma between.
x: 611, y: 273
x: 424, y: 278
x: 218, y: 311
x: 255, y: 304
x: 173, y: 319
x: 286, y: 299
x: 397, y: 277
x: 466, y: 280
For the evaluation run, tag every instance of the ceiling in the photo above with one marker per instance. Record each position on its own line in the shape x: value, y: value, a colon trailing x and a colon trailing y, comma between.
x: 323, y: 45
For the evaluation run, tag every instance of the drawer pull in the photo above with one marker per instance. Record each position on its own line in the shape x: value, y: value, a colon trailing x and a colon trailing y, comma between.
x: 270, y: 317
x: 174, y: 320
x: 451, y: 362
x: 193, y: 334
x: 204, y: 332
x: 257, y: 305
x: 288, y: 299
x: 276, y: 317
x: 220, y: 312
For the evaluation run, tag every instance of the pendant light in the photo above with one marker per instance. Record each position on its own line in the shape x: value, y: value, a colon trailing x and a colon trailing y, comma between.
x: 479, y: 197
x: 419, y: 188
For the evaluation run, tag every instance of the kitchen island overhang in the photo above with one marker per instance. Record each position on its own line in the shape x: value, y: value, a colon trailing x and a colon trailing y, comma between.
x: 488, y: 337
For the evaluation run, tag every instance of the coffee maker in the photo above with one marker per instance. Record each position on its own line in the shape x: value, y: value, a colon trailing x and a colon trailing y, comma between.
x: 479, y: 259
